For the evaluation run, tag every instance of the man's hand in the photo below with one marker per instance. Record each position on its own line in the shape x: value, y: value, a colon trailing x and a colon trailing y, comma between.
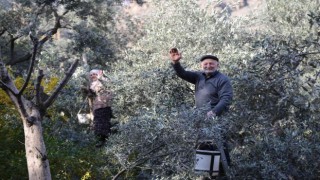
x: 175, y: 56
x: 211, y: 114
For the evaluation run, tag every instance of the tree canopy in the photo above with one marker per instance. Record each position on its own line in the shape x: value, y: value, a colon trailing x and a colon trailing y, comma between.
x: 271, y: 57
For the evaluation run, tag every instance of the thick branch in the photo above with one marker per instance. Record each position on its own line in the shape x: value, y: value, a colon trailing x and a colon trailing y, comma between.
x: 30, y: 119
x: 54, y: 95
x: 119, y: 174
x: 38, y: 89
x: 31, y: 65
x: 4, y: 78
x: 12, y: 48
x: 5, y: 83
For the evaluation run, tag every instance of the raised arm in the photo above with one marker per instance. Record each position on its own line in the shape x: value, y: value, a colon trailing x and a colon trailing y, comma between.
x: 175, y: 57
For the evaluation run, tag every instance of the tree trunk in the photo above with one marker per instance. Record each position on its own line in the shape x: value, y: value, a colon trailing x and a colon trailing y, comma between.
x: 37, y: 161
x: 36, y: 154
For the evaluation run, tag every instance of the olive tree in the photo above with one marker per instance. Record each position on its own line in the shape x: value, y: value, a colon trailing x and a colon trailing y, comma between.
x: 271, y: 58
x: 279, y: 94
x: 40, y: 39
x: 160, y: 126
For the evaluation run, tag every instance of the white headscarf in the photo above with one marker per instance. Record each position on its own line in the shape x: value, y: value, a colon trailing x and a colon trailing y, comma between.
x: 96, y: 85
x: 99, y: 74
x: 96, y: 71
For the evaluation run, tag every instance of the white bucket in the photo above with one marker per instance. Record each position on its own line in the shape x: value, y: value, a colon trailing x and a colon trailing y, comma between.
x: 208, y: 161
x: 84, y: 118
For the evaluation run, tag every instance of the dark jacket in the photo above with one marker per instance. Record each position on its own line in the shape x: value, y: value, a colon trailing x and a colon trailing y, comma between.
x: 216, y: 89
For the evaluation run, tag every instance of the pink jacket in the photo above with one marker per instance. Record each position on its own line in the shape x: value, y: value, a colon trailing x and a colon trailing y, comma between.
x: 103, y: 96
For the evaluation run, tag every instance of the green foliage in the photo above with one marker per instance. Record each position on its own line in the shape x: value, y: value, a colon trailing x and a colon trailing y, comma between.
x: 5, y: 101
x: 164, y: 142
x: 154, y: 84
x: 272, y: 59
x: 38, y: 18
x: 277, y: 97
x: 70, y: 158
x: 289, y: 17
x: 12, y: 153
x: 272, y: 126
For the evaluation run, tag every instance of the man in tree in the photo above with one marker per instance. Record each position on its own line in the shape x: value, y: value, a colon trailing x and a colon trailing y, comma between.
x: 211, y: 87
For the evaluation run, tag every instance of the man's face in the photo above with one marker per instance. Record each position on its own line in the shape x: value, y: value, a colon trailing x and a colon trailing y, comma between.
x: 209, y: 65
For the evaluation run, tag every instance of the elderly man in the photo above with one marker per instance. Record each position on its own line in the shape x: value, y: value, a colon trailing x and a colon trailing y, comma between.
x: 211, y: 87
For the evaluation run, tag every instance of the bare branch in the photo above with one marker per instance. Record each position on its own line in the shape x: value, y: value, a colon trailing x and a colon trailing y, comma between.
x: 54, y: 95
x: 11, y: 44
x: 38, y: 12
x: 38, y: 88
x: 52, y: 31
x: 31, y: 65
x: 66, y: 12
x: 119, y: 174
x: 7, y: 85
x: 4, y: 77
x: 41, y: 42
x: 13, y: 38
x: 12, y: 48
x: 3, y: 31
x: 48, y: 35
x: 4, y: 85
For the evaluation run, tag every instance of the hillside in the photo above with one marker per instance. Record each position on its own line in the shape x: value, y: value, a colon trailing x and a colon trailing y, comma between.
x: 236, y: 7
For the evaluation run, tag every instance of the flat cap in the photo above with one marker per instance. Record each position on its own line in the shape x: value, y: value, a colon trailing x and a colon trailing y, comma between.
x: 209, y: 57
